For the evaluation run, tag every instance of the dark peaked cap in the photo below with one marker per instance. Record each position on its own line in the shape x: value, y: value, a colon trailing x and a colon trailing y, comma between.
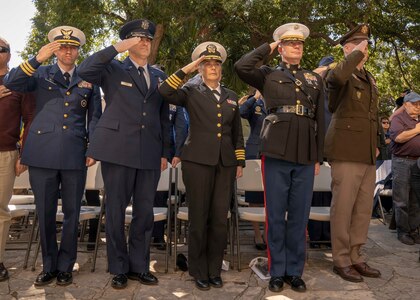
x: 138, y: 28
x: 360, y: 32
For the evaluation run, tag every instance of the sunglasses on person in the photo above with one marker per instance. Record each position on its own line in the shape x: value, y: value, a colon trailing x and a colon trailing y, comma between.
x: 4, y: 49
x: 385, y: 122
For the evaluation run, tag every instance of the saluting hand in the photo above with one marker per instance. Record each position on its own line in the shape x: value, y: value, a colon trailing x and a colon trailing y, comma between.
x: 274, y: 46
x: 193, y: 66
x: 47, y: 51
x: 362, y: 46
x: 126, y: 44
x: 4, y: 91
x: 90, y: 161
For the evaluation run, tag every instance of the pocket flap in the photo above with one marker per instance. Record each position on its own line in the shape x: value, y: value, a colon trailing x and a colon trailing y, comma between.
x: 109, y: 123
x: 42, y: 128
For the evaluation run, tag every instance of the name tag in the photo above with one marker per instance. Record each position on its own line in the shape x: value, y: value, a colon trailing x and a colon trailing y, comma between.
x: 126, y: 84
x: 233, y: 102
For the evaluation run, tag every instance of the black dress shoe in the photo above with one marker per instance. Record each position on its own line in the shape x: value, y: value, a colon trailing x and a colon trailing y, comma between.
x: 45, y: 278
x: 181, y: 262
x: 64, y: 278
x: 202, y: 284
x: 276, y: 284
x: 4, y: 274
x: 216, y: 282
x: 119, y: 281
x: 145, y: 278
x: 296, y: 283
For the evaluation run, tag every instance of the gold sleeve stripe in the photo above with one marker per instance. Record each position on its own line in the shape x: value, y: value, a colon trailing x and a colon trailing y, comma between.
x: 171, y: 84
x: 25, y: 70
x: 27, y: 64
x: 176, y: 79
x: 240, y: 151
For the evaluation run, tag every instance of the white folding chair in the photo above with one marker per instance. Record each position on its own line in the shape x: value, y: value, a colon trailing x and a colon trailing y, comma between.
x: 322, y: 183
x: 251, y: 181
x: 383, y: 173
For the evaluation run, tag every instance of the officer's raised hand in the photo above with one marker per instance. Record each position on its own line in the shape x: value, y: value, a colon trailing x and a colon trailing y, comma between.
x: 193, y: 66
x: 274, y: 46
x: 126, y: 44
x: 47, y: 51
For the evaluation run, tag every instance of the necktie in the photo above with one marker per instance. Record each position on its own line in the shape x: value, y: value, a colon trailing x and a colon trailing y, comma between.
x: 216, y: 94
x: 143, y: 83
x: 67, y: 78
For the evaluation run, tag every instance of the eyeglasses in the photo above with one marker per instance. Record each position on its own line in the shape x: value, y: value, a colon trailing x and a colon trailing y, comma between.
x: 4, y: 49
x: 385, y: 122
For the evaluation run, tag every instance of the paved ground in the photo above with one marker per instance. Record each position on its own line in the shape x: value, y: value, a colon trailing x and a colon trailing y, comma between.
x: 398, y: 263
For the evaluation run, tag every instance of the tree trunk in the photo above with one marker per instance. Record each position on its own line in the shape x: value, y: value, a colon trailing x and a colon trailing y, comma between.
x: 156, y: 43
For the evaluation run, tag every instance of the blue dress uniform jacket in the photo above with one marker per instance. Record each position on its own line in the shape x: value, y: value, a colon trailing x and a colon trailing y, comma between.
x: 353, y: 100
x: 286, y: 136
x: 178, y: 118
x: 133, y: 131
x: 215, y: 126
x: 254, y: 111
x: 57, y: 138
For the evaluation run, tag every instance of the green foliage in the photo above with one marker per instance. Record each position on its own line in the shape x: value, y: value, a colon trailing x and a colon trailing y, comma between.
x: 242, y: 25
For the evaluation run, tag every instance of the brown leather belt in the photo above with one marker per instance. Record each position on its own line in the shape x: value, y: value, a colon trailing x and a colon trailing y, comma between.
x: 297, y: 109
x: 407, y: 157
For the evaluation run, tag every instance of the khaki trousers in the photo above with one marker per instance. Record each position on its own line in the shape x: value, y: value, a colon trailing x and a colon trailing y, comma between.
x: 7, y: 179
x: 352, y: 186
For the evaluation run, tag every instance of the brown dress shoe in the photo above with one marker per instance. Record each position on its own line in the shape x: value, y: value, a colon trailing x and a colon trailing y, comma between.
x: 367, y: 271
x: 348, y: 273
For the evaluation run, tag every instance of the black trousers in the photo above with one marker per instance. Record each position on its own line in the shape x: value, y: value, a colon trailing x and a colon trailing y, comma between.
x: 121, y: 185
x: 209, y: 193
x: 45, y: 184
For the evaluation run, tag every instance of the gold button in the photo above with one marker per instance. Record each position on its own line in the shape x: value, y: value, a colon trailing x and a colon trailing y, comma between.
x: 142, y: 126
x: 39, y: 131
x: 219, y: 115
x: 64, y: 127
x: 298, y: 101
x: 66, y: 115
x: 219, y: 135
x: 218, y: 105
x: 297, y: 90
x: 280, y: 81
x: 68, y: 93
x: 49, y: 88
x: 144, y: 114
x: 219, y: 125
x: 294, y: 72
x: 66, y: 103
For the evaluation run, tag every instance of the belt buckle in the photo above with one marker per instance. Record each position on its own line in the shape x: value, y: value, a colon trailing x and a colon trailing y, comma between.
x: 299, y: 109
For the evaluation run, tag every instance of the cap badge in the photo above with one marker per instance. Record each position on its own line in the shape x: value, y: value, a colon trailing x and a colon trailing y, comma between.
x: 296, y: 27
x: 364, y: 29
x: 66, y: 33
x: 144, y: 24
x: 211, y: 48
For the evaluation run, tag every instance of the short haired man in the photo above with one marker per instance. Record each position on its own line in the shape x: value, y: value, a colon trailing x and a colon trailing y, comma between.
x: 351, y: 149
x: 14, y: 108
x: 56, y: 144
x: 291, y: 146
x: 405, y: 147
x: 132, y: 142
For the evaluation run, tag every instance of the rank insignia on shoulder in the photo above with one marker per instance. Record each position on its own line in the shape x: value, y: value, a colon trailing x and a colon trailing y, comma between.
x: 85, y: 85
x: 83, y: 103
x: 233, y: 102
x: 310, y: 78
x: 126, y: 84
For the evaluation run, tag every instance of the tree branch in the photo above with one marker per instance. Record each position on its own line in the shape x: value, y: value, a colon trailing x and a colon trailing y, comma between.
x: 397, y: 57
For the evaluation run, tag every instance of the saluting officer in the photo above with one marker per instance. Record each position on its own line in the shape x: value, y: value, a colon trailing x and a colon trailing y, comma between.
x: 132, y: 142
x: 351, y: 148
x: 211, y: 157
x: 56, y: 144
x: 291, y: 146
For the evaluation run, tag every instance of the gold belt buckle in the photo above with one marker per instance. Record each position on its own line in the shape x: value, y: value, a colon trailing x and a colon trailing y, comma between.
x: 299, y: 109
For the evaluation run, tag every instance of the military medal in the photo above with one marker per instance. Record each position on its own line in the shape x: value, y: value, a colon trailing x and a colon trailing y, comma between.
x: 233, y: 102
